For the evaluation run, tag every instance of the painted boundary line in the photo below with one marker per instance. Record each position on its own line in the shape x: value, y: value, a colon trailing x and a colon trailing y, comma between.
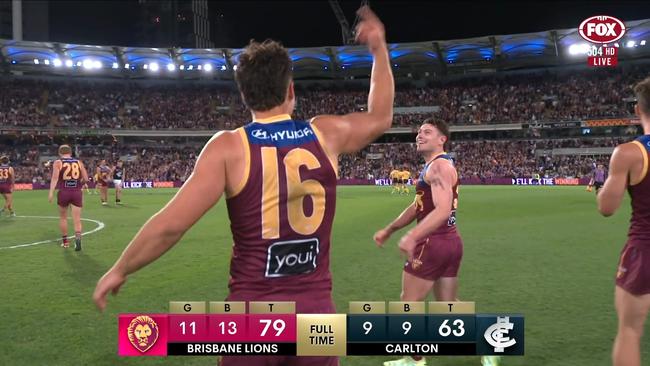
x: 100, y: 226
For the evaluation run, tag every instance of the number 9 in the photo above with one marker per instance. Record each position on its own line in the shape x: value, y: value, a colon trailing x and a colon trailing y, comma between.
x: 407, y: 327
x: 367, y: 326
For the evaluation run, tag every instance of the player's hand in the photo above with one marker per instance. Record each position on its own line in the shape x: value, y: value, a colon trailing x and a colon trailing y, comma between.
x: 110, y: 282
x: 50, y: 197
x: 381, y: 236
x: 370, y: 30
x: 407, y: 246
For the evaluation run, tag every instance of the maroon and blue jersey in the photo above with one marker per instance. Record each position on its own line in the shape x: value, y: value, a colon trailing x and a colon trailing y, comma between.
x: 281, y: 216
x: 639, y: 232
x: 424, y: 199
x: 104, y: 173
x: 599, y: 175
x: 5, y: 174
x: 70, y: 174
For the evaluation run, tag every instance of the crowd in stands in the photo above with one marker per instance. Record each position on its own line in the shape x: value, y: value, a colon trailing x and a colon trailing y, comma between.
x: 482, y: 159
x: 476, y: 100
x: 473, y: 159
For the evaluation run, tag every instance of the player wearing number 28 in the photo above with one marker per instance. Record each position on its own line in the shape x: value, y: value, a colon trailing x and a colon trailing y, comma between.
x: 68, y: 175
x: 279, y: 177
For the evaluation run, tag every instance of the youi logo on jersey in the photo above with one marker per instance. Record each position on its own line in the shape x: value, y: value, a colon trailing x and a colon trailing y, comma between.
x: 602, y: 31
x: 293, y: 257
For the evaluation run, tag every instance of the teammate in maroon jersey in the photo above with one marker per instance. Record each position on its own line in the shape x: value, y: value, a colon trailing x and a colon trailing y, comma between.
x: 279, y: 177
x: 68, y: 175
x: 7, y: 184
x: 628, y: 170
x: 434, y: 247
x: 103, y: 174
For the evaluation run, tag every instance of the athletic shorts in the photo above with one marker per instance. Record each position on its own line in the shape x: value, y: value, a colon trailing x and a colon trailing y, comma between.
x: 598, y: 185
x: 435, y: 257
x: 633, y: 274
x: 5, y: 188
x: 70, y: 197
x: 117, y: 183
x: 305, y: 304
x: 102, y: 183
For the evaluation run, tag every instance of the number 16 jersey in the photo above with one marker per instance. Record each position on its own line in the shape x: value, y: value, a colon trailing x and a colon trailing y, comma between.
x: 281, y: 216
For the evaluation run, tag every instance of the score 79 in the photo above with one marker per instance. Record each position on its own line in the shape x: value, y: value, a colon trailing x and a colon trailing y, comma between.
x: 272, y: 327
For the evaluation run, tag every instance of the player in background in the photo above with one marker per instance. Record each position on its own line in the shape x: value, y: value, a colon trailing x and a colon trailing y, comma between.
x: 395, y: 178
x: 433, y: 247
x: 68, y: 175
x: 7, y: 185
x: 103, y: 173
x: 267, y: 170
x: 598, y: 178
x: 406, y: 175
x: 628, y: 170
x: 118, y: 174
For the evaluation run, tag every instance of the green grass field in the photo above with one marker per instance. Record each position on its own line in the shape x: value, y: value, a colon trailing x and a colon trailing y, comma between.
x: 540, y: 251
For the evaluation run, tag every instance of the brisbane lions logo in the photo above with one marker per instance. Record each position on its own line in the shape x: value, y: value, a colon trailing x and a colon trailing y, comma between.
x: 143, y: 333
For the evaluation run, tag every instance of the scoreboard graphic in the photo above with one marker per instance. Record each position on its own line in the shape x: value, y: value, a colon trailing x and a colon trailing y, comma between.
x: 370, y: 328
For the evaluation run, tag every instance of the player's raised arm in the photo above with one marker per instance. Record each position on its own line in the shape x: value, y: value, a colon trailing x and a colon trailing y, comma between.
x: 610, y: 197
x: 351, y: 132
x: 405, y: 218
x: 54, y: 180
x: 441, y: 176
x: 164, y: 229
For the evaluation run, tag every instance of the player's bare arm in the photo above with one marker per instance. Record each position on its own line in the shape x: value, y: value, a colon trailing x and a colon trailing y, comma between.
x: 203, y: 189
x: 404, y: 219
x: 56, y: 168
x: 12, y: 178
x: 441, y: 176
x: 610, y: 197
x: 84, y: 172
x: 352, y: 132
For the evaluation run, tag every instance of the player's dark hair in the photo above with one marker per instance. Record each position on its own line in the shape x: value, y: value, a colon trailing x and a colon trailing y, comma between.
x: 65, y: 149
x: 642, y: 91
x: 443, y: 127
x: 263, y: 74
x: 4, y: 159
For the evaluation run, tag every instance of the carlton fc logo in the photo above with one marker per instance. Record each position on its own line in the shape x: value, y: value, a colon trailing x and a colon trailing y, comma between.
x: 260, y: 134
x: 143, y: 333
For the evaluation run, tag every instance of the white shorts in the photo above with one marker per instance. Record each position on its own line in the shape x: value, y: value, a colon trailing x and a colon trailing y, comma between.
x: 117, y: 183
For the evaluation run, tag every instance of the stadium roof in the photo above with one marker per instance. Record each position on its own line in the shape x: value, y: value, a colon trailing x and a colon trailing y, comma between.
x: 488, y: 53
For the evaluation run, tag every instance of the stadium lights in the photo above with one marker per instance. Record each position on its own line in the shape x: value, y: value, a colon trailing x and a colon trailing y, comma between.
x: 126, y: 66
x: 57, y: 62
x: 223, y: 68
x: 200, y: 67
x: 207, y: 67
x: 642, y: 43
x: 234, y: 67
x: 146, y: 67
x: 630, y: 44
x: 36, y: 62
x: 182, y: 67
x: 87, y: 64
x: 579, y: 49
x: 68, y: 63
x: 154, y: 66
x: 171, y: 67
x: 115, y: 65
x: 190, y: 67
x: 98, y: 64
x: 47, y: 62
